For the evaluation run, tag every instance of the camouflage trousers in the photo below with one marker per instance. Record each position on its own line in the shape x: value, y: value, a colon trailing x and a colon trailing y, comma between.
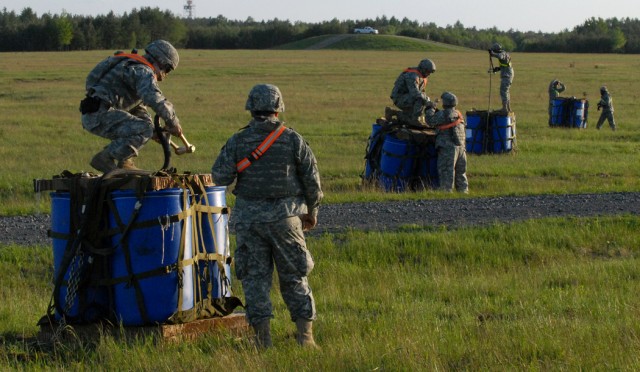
x: 412, y: 109
x: 606, y: 115
x: 260, y: 246
x: 452, y: 168
x: 127, y: 132
x: 505, y: 86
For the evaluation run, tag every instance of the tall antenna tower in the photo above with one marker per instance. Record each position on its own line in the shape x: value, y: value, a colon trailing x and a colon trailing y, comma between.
x: 188, y: 8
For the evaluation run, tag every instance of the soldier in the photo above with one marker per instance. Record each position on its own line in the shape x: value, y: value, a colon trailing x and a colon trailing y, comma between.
x: 606, y: 104
x: 450, y: 144
x: 409, y: 93
x: 555, y: 88
x: 506, y: 74
x: 118, y: 90
x: 277, y: 198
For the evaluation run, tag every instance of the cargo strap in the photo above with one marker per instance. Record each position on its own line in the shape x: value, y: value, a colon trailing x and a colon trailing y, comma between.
x: 260, y: 150
x: 452, y: 124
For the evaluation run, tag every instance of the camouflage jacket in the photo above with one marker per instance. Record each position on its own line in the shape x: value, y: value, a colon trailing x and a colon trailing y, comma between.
x: 606, y: 103
x: 284, y: 182
x: 555, y: 88
x: 453, y: 136
x: 409, y: 87
x: 130, y: 86
x: 504, y: 59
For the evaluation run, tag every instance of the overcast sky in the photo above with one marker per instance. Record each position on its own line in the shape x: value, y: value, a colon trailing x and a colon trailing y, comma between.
x: 522, y: 15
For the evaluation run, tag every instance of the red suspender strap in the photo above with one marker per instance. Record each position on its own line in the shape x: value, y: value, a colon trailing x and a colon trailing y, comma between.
x: 138, y: 58
x: 260, y: 150
x: 453, y: 124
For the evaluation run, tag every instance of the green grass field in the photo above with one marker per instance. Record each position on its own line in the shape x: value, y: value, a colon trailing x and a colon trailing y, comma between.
x: 332, y: 98
x: 552, y: 294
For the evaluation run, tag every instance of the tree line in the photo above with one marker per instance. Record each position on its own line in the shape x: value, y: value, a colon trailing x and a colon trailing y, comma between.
x: 27, y: 31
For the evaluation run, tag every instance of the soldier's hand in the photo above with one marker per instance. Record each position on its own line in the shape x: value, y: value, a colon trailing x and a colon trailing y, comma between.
x: 175, y: 130
x: 308, y: 222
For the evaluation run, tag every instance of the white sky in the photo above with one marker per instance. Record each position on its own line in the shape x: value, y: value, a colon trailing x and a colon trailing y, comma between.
x: 522, y: 15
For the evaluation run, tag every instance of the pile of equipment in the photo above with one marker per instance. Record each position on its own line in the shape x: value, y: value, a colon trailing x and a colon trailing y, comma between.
x: 492, y: 132
x: 401, y: 157
x: 569, y: 112
x: 138, y: 249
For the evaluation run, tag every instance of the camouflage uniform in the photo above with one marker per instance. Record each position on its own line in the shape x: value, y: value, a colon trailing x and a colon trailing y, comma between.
x: 506, y: 75
x: 123, y: 92
x: 555, y: 88
x: 606, y: 104
x: 452, y: 155
x: 409, y: 90
x: 271, y: 194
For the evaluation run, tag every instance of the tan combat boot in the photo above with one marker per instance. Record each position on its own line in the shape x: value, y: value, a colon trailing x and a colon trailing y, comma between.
x: 263, y: 334
x: 127, y: 164
x: 304, y: 337
x: 103, y: 162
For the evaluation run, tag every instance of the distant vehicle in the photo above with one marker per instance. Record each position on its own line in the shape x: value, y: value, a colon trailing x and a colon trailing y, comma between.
x: 366, y: 30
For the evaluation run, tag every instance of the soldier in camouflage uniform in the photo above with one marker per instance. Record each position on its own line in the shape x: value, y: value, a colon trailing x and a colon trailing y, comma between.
x: 277, y: 198
x: 606, y: 104
x: 450, y: 144
x: 506, y: 74
x: 555, y: 88
x: 118, y: 90
x: 409, y: 91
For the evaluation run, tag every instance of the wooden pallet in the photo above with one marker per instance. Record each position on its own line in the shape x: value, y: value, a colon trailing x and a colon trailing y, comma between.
x: 235, y: 324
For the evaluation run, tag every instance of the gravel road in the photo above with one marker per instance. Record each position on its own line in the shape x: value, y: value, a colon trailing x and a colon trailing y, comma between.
x: 31, y: 230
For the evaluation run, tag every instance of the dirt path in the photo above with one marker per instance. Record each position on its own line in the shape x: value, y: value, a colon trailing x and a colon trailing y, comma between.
x: 329, y: 41
x: 31, y: 230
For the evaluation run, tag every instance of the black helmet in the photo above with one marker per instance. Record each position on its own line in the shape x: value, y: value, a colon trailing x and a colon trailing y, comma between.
x: 603, y: 89
x: 497, y: 48
x: 449, y: 99
x: 164, y: 54
x: 426, y: 66
x: 265, y: 98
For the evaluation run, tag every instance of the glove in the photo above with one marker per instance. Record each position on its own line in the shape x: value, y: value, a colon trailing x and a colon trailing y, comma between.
x: 175, y: 130
x: 308, y: 222
x: 496, y: 69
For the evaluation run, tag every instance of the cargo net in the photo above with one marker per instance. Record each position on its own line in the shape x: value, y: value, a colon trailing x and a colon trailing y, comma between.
x: 400, y: 157
x: 122, y: 256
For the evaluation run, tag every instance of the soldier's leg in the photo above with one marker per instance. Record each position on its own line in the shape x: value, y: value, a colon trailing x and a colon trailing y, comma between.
x: 128, y: 133
x: 612, y: 122
x: 601, y: 120
x: 461, y: 182
x: 254, y: 268
x: 445, y: 167
x: 294, y: 263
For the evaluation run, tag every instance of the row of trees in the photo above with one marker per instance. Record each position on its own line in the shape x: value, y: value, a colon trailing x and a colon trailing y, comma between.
x: 29, y: 32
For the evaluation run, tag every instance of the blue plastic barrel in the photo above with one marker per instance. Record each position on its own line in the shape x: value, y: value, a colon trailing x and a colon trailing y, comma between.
x: 427, y: 158
x: 214, y: 238
x: 558, y: 113
x: 476, y: 125
x: 503, y: 133
x: 155, y: 251
x: 578, y: 111
x: 89, y: 303
x: 397, y: 164
x: 373, y: 140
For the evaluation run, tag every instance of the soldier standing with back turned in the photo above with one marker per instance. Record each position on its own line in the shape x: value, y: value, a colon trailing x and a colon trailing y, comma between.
x: 277, y: 198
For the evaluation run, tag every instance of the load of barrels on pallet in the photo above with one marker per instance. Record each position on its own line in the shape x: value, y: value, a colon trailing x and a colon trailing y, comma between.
x: 138, y: 250
x: 401, y: 157
x: 569, y: 112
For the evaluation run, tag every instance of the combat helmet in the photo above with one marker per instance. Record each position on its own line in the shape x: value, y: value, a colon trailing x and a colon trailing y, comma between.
x: 164, y: 54
x: 497, y: 48
x: 603, y: 89
x: 449, y: 99
x: 265, y: 98
x: 426, y: 66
